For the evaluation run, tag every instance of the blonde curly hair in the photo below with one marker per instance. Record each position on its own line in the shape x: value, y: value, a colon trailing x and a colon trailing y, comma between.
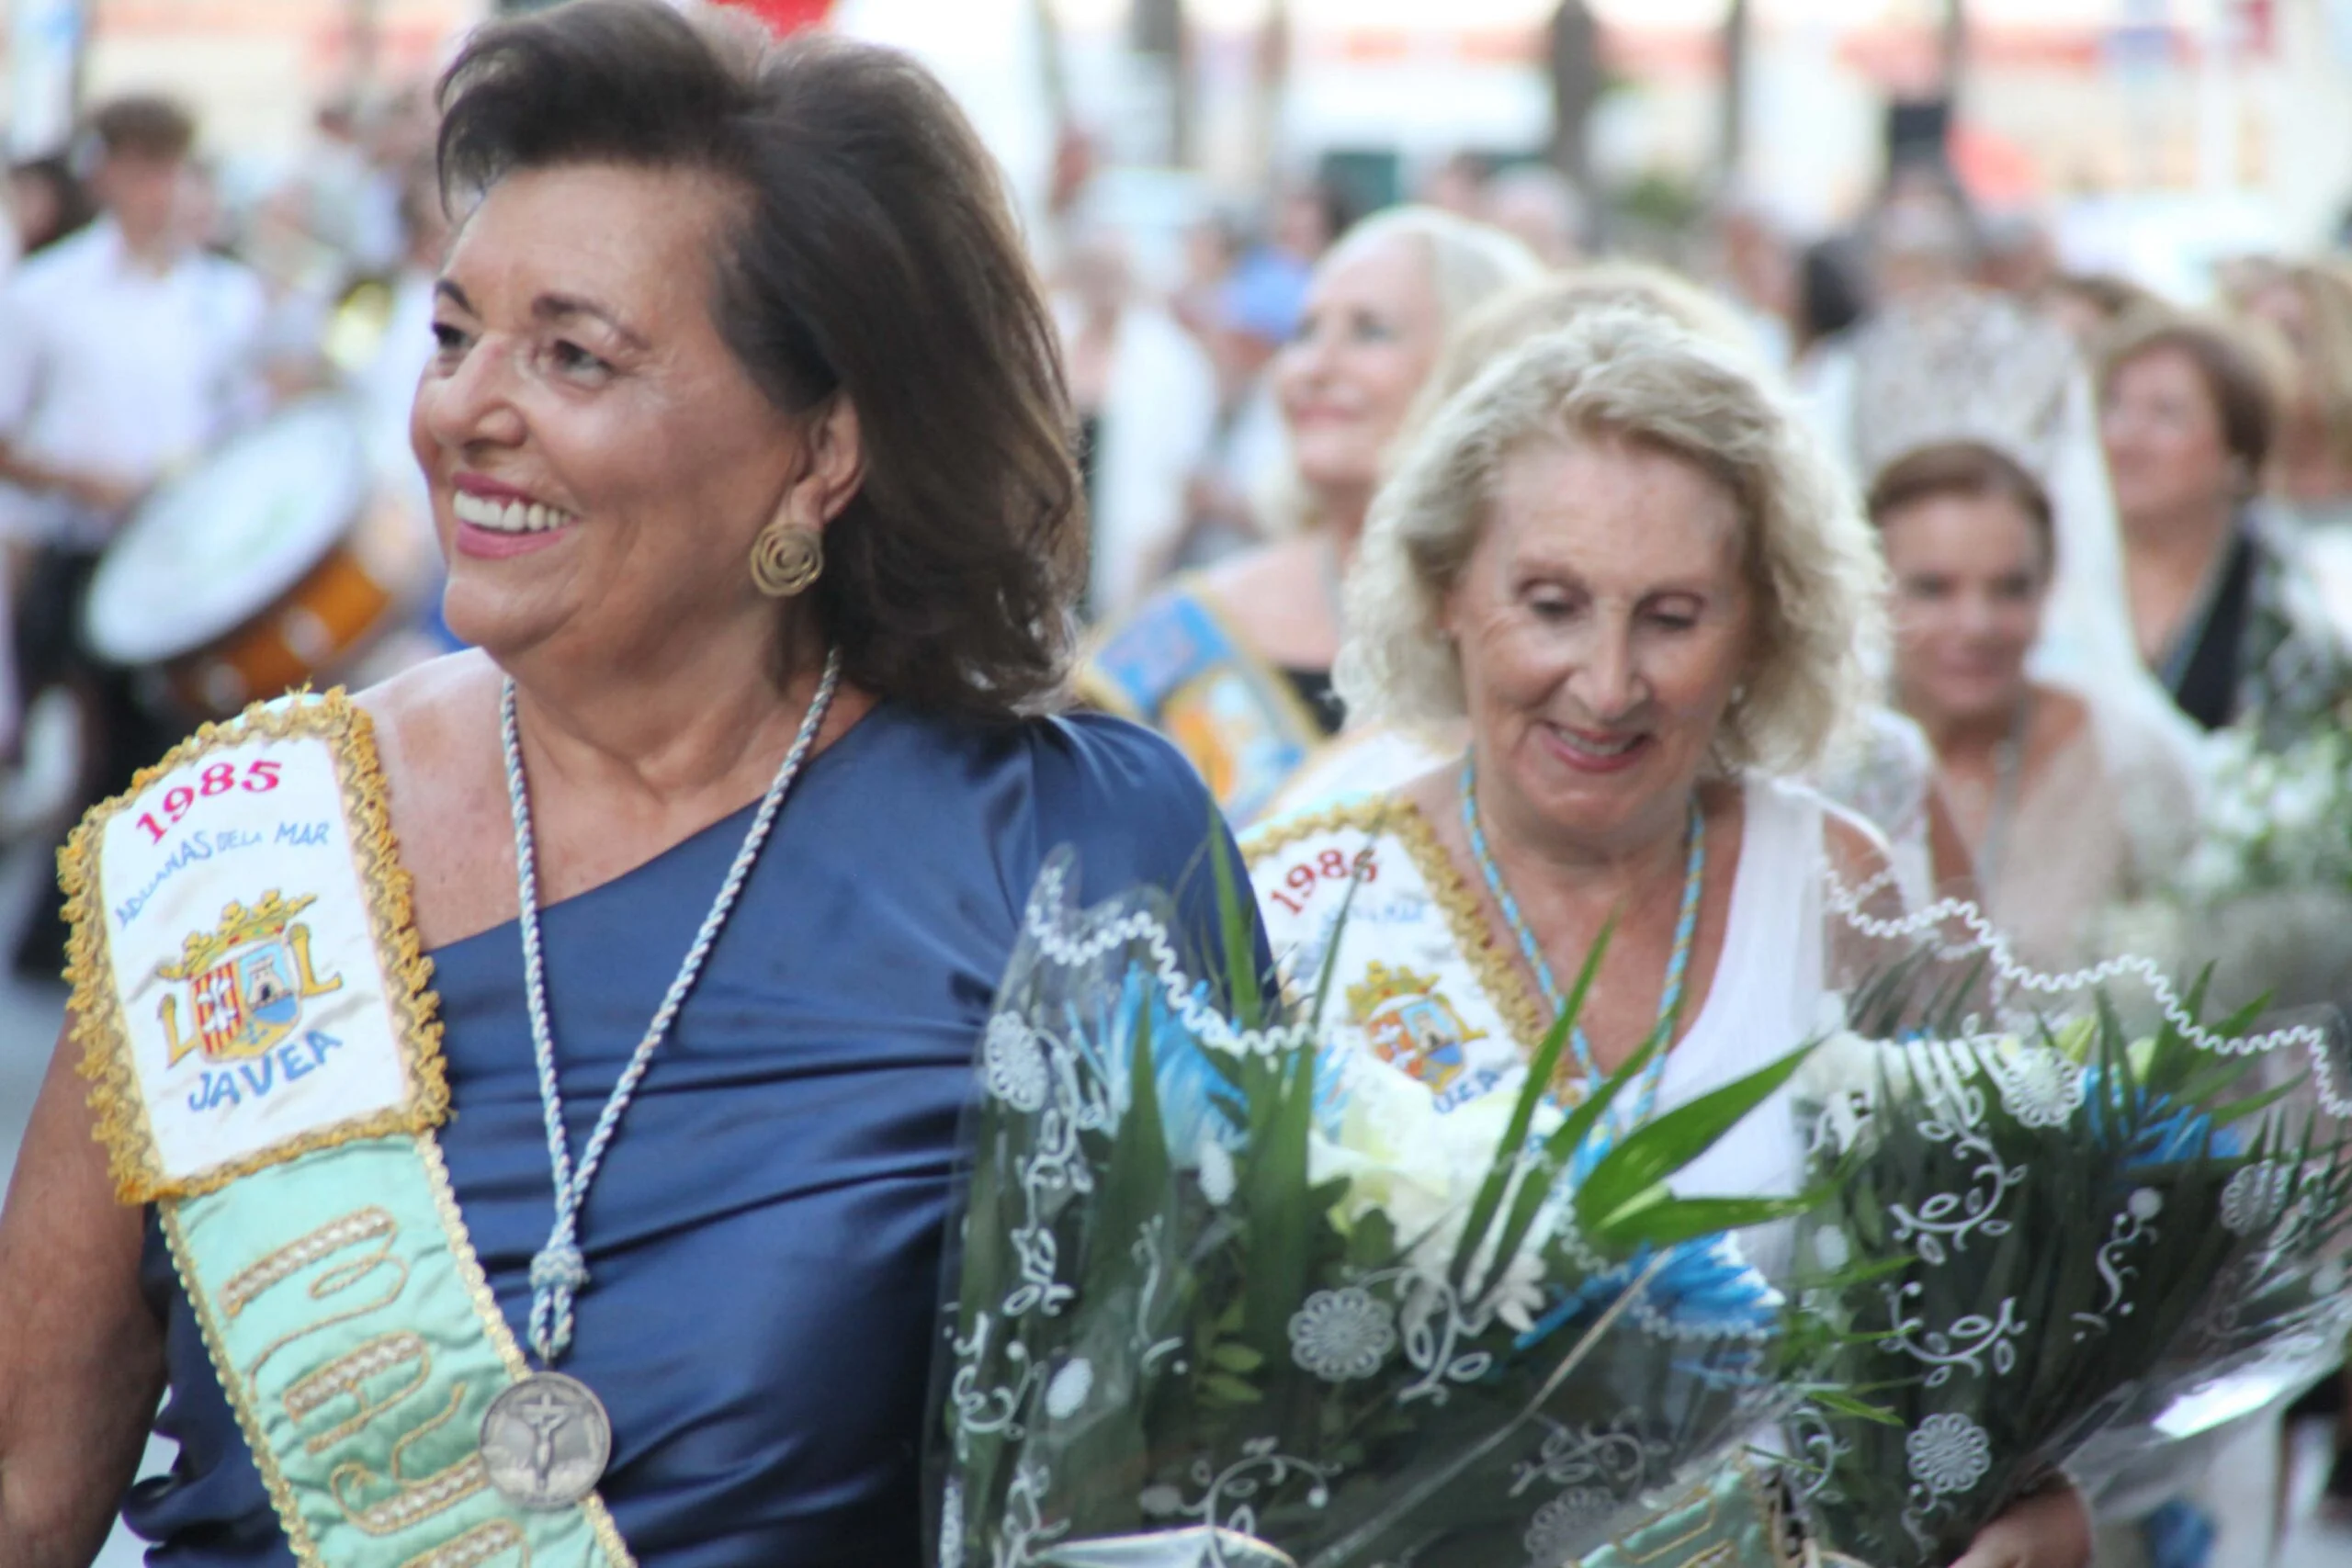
x: 1631, y: 375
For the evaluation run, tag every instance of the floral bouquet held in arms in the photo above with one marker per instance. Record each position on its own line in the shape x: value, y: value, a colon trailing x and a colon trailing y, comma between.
x: 2053, y: 1232
x: 1233, y: 1293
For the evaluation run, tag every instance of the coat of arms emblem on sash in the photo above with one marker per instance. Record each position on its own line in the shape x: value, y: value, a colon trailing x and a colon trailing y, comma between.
x: 1410, y: 1023
x: 247, y: 981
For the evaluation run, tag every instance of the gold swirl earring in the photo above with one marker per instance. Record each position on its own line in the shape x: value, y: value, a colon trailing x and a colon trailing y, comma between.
x: 785, y: 559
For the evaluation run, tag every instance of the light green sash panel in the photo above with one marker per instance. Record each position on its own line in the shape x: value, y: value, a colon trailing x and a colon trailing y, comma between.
x: 351, y: 1327
x: 256, y: 1025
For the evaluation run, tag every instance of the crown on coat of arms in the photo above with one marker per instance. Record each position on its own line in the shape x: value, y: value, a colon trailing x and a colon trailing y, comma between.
x: 238, y: 926
x: 1381, y: 985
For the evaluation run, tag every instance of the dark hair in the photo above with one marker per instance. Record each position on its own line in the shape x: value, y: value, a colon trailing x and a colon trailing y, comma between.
x: 1969, y: 468
x: 143, y: 125
x: 73, y: 206
x: 2243, y: 389
x: 1829, y: 291
x: 875, y: 259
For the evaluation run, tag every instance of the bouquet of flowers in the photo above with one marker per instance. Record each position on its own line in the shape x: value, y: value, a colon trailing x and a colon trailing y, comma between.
x: 1232, y: 1292
x: 2264, y: 893
x: 2273, y: 819
x: 2052, y: 1233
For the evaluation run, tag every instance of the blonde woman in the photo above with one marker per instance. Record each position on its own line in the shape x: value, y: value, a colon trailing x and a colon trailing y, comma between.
x: 1234, y: 665
x: 1621, y: 562
x: 1882, y: 770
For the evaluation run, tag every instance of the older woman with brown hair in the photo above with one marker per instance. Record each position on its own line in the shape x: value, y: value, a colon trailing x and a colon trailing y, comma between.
x: 2221, y: 607
x: 539, y: 1145
x: 1623, y: 563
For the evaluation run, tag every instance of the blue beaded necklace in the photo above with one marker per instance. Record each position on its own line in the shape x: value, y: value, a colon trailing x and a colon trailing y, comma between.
x: 1686, y: 925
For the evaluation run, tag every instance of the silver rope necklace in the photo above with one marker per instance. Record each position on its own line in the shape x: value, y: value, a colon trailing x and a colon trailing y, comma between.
x: 546, y: 1439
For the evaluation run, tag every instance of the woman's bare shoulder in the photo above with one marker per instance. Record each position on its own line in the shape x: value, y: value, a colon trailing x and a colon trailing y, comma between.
x: 437, y: 740
x: 430, y: 704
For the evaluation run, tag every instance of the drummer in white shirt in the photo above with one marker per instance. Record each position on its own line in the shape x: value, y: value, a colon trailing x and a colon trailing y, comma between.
x: 125, y: 352
x: 129, y: 350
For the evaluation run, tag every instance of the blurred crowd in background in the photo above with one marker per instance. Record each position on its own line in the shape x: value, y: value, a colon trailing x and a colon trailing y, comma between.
x: 206, y: 363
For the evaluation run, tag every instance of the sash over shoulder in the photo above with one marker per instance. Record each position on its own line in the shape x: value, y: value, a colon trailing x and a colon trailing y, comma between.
x: 1178, y: 667
x: 1366, y: 886
x: 255, y: 1018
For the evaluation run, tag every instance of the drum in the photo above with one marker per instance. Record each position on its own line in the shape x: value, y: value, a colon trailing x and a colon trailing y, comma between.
x: 277, y: 561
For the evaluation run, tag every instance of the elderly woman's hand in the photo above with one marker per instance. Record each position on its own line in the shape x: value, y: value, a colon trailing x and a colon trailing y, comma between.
x: 2050, y: 1529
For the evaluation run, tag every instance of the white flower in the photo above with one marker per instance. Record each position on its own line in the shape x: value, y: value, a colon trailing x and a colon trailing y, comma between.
x: 1342, y: 1335
x: 1558, y: 1525
x: 1423, y: 1167
x: 2145, y: 1204
x: 1949, y: 1454
x: 1065, y: 1395
x: 1013, y: 1064
x: 2255, y: 1196
x: 1830, y: 1247
x: 1842, y: 1064
x: 2300, y: 797
x: 1216, y: 1167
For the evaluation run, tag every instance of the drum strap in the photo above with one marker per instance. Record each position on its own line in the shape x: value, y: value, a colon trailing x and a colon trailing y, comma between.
x: 253, y: 1016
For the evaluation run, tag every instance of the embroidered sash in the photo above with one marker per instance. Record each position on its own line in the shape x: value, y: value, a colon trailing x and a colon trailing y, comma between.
x: 253, y: 1017
x: 1417, y: 970
x: 1177, y: 667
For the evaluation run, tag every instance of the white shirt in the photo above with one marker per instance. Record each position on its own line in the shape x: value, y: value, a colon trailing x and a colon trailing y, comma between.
x: 108, y: 366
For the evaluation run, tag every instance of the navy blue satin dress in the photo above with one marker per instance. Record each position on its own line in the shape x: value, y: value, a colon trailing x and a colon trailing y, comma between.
x: 764, y: 1241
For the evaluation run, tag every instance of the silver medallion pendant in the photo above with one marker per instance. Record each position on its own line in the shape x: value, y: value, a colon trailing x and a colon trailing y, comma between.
x: 544, y: 1441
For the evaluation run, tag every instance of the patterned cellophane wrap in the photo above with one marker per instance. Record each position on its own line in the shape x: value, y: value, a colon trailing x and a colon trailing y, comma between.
x: 2072, y: 1206
x: 100, y: 1030
x: 1139, y: 1365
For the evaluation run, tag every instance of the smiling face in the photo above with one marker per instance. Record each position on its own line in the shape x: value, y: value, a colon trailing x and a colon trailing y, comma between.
x: 599, y: 459
x: 1602, y: 621
x: 2165, y: 449
x: 1367, y: 340
x: 1971, y: 573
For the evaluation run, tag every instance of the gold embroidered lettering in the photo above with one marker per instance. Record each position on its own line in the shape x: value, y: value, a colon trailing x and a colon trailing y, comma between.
x: 349, y: 1374
x: 415, y: 1503
x: 361, y: 1224
x: 415, y: 1500
x: 360, y: 1227
x: 477, y: 1546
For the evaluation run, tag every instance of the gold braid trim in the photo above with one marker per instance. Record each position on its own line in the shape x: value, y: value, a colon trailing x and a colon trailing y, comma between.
x: 299, y: 1539
x: 1497, y: 969
x: 1371, y: 814
x: 97, y: 1024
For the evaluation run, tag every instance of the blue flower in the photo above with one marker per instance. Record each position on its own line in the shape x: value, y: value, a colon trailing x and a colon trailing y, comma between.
x: 2159, y: 1131
x: 1706, y: 1290
x: 1196, y: 1101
